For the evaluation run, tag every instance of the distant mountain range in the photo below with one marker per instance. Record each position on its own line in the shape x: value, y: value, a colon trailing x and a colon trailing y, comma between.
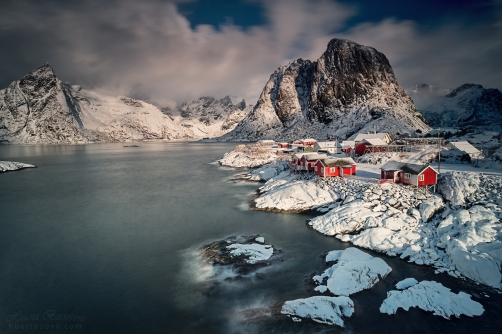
x: 469, y: 106
x: 40, y: 109
x: 207, y: 117
x: 351, y: 88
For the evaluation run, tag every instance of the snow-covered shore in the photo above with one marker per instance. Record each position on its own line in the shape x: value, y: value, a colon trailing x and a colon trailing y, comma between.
x: 10, y: 165
x: 457, y: 230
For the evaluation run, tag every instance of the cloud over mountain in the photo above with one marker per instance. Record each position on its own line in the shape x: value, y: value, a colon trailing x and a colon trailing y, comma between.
x: 149, y: 50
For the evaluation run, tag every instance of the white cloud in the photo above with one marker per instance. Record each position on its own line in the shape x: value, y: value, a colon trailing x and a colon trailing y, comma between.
x: 148, y: 49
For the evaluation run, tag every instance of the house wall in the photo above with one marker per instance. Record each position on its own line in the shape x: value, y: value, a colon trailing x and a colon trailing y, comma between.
x: 413, y: 180
x: 430, y: 177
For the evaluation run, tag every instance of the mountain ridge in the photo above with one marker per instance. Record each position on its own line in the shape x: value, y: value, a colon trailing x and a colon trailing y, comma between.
x: 350, y: 88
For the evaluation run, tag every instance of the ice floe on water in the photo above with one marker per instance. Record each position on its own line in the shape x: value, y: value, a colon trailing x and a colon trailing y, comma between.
x: 11, y: 165
x: 432, y: 297
x: 353, y: 271
x: 322, y: 309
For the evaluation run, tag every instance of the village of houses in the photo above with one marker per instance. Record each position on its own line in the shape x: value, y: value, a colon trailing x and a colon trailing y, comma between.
x: 393, y: 197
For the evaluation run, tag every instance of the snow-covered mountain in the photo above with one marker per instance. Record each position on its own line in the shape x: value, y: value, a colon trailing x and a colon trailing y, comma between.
x: 207, y: 117
x: 469, y: 106
x: 349, y: 89
x: 40, y: 109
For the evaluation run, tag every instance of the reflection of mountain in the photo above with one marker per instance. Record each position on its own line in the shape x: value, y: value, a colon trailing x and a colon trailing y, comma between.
x: 39, y: 108
x: 351, y: 88
x: 469, y: 106
x: 209, y: 117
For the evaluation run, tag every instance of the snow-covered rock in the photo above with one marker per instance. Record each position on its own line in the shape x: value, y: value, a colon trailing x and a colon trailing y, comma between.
x: 253, y: 252
x: 430, y: 207
x: 406, y: 283
x: 432, y: 297
x: 348, y: 218
x: 354, y: 271
x: 294, y: 196
x: 248, y: 156
x: 350, y: 88
x: 11, y: 165
x: 384, y: 240
x: 269, y: 171
x: 325, y: 310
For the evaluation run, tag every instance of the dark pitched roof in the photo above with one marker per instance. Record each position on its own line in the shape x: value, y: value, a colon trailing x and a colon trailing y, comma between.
x: 414, y: 169
x: 392, y: 165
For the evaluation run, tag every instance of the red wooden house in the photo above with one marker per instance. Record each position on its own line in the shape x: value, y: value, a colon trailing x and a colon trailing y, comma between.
x: 377, y: 145
x: 406, y: 173
x: 308, y: 142
x: 335, y: 167
x: 308, y: 161
x: 283, y: 145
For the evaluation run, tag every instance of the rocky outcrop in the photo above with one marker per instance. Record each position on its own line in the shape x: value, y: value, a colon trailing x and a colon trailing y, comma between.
x: 469, y: 106
x: 350, y: 88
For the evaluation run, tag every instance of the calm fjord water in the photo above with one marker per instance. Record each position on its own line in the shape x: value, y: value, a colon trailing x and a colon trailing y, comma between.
x: 101, y: 239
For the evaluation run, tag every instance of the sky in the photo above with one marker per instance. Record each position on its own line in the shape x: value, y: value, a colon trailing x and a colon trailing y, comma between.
x: 169, y: 51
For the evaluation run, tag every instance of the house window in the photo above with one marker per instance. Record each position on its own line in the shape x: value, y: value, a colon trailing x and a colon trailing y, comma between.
x: 421, y: 177
x: 407, y: 176
x: 332, y: 170
x: 315, y: 168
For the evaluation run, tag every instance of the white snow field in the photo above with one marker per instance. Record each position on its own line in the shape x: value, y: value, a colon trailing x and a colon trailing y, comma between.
x: 325, y: 310
x: 11, y: 165
x: 432, y: 297
x: 353, y: 271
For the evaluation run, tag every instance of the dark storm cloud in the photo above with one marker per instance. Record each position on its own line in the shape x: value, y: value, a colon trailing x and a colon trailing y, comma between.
x: 148, y: 49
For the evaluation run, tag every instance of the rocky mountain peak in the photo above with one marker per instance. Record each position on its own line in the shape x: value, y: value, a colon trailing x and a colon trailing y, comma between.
x: 463, y: 88
x: 469, y: 106
x: 351, y: 87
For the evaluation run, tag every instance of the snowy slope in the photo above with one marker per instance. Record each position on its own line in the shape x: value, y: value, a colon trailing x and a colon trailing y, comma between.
x: 40, y: 109
x: 350, y: 88
x: 207, y: 117
x: 469, y: 106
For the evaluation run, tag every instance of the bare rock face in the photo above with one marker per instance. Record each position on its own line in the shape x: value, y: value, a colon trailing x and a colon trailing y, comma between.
x: 350, y: 88
x: 38, y: 109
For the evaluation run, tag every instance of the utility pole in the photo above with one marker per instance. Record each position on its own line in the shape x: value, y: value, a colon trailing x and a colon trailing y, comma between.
x: 439, y: 153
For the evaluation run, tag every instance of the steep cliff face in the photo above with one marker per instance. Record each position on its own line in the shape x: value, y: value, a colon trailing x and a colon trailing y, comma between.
x: 350, y: 88
x: 40, y: 109
x: 469, y: 106
x: 207, y: 117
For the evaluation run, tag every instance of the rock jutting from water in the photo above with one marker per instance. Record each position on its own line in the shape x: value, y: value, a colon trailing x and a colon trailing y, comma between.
x: 6, y: 166
x: 244, y: 254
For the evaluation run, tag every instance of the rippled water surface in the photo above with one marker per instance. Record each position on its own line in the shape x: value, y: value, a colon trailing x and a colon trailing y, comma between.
x: 103, y: 239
